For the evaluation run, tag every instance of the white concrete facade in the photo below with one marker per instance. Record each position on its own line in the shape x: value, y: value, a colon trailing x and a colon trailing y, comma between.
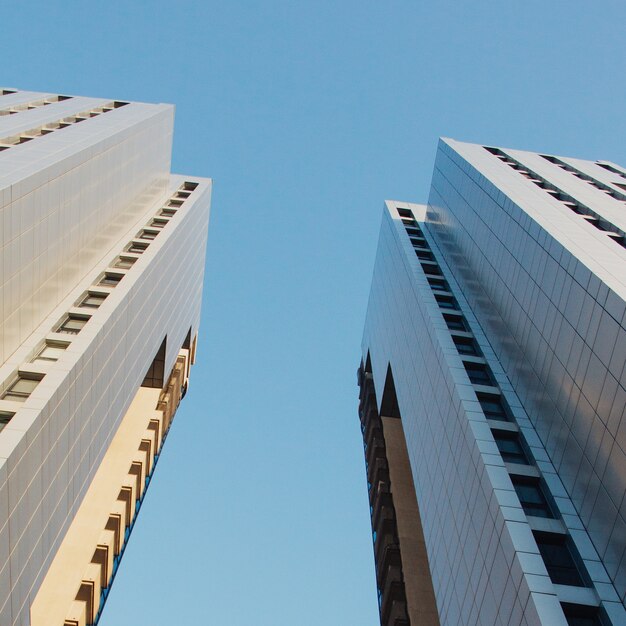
x: 72, y: 199
x: 532, y: 258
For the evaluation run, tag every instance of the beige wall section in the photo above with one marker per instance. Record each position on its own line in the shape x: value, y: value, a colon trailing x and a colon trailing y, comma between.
x: 420, y: 595
x: 70, y: 592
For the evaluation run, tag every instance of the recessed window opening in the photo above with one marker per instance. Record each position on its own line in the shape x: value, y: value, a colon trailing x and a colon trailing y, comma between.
x: 5, y: 418
x: 583, y: 615
x: 466, y: 345
x: 405, y: 213
x: 175, y: 203
x: 167, y: 212
x: 510, y: 447
x: 72, y: 324
x: 560, y: 558
x: 136, y: 247
x: 51, y: 351
x: 124, y: 262
x: 182, y: 194
x: 92, y: 300
x: 478, y: 373
x: 456, y: 322
x: 147, y: 234
x: 21, y: 388
x: 438, y: 283
x: 493, y: 407
x: 447, y: 302
x: 425, y: 255
x: 110, y: 280
x: 532, y: 497
x: 188, y: 186
x: 432, y: 269
x: 157, y: 223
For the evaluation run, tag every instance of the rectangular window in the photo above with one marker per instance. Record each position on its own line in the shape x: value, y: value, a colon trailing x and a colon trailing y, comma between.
x: 439, y: 283
x: 447, y: 302
x: 418, y: 241
x: 478, y: 373
x: 424, y: 255
x: 456, y: 322
x: 110, y: 280
x: 413, y: 231
x: 137, y: 247
x: 92, y: 300
x: 531, y: 496
x: 72, y: 325
x: 124, y: 262
x: 432, y: 269
x: 493, y: 407
x: 405, y: 213
x: 52, y: 351
x: 510, y: 447
x: 187, y: 186
x: 558, y: 555
x: 182, y: 194
x: 466, y: 345
x: 581, y: 615
x: 21, y: 388
x: 166, y: 212
x: 5, y: 418
x: 157, y: 223
x: 147, y: 234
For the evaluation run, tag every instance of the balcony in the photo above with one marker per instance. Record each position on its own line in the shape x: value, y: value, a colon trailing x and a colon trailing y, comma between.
x: 393, y: 605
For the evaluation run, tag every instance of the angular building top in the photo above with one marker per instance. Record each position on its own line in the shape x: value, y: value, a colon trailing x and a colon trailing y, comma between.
x: 101, y: 281
x: 495, y: 336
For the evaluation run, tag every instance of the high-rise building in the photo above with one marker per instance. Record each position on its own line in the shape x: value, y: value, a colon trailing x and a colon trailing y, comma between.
x: 101, y: 281
x: 492, y: 394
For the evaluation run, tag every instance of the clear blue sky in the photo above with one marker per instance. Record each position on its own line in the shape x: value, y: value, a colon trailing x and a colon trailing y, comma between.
x: 307, y: 115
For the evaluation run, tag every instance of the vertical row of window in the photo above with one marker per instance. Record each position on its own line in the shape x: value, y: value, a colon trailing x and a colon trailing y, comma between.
x: 610, y: 230
x: 617, y: 195
x: 564, y: 565
x: 46, y: 129
x: 22, y: 385
x: 392, y: 602
x: 35, y: 104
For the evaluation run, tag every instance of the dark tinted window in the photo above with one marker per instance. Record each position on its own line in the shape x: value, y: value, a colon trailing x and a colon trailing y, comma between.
x: 531, y: 495
x: 493, y: 407
x: 478, y: 373
x: 510, y: 447
x: 465, y: 345
x: 557, y: 554
x: 455, y: 322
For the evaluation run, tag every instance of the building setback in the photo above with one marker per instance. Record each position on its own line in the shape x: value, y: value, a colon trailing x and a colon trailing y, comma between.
x: 492, y: 394
x: 101, y: 281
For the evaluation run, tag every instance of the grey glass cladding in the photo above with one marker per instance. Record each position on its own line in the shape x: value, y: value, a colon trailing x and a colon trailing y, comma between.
x: 499, y: 308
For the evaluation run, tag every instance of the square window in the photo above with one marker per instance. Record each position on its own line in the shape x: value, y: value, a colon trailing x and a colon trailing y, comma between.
x: 21, y: 388
x: 92, y: 300
x: 447, y: 302
x: 72, y: 324
x: 147, y: 234
x: 137, y: 247
x: 478, y: 373
x: 124, y: 262
x: 466, y: 345
x: 493, y: 407
x: 110, y: 280
x: 5, y: 418
x: 456, y: 322
x: 432, y: 269
x: 558, y: 554
x: 510, y: 447
x: 532, y: 497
